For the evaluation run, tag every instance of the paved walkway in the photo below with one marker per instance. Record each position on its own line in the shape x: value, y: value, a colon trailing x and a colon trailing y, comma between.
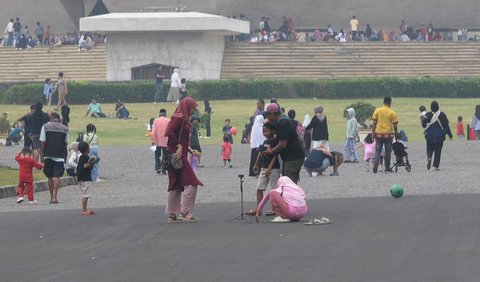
x: 131, y: 181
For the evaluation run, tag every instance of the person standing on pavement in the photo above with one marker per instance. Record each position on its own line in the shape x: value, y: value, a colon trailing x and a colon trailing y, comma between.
x: 476, y: 122
x: 53, y: 152
x: 351, y: 139
x: 384, y: 129
x: 182, y: 182
x: 436, y: 127
x: 159, y: 139
x: 288, y: 146
x: 318, y: 127
x: 159, y: 86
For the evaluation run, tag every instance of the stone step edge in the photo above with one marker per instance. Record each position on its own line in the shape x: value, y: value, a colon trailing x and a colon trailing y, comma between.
x: 10, y: 191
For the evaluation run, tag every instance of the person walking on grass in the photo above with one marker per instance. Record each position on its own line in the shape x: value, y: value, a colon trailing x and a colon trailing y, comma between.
x: 384, y: 129
x: 53, y: 151
x: 84, y: 170
x: 436, y: 127
x: 159, y: 86
x: 25, y: 174
x: 182, y: 182
x: 62, y: 90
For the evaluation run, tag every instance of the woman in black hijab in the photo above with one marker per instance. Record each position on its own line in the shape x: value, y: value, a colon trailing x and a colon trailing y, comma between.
x: 436, y: 127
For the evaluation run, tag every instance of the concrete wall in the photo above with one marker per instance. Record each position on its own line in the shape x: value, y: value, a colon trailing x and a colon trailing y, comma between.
x: 198, y: 55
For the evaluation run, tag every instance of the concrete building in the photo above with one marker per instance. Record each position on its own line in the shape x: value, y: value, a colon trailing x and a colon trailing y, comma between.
x: 63, y: 15
x: 191, y: 41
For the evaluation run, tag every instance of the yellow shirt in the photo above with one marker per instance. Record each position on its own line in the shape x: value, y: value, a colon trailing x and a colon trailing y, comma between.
x: 354, y: 24
x: 385, y: 119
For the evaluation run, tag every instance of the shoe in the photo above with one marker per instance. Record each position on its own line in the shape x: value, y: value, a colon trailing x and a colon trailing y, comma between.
x: 355, y: 161
x: 20, y: 200
x: 280, y: 219
x: 230, y: 166
x: 159, y: 171
x: 388, y: 170
x: 34, y: 202
x: 429, y: 164
x: 437, y: 169
x: 207, y: 137
x: 375, y: 168
x: 347, y: 161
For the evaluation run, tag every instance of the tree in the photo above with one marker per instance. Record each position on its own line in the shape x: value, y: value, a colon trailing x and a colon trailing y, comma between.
x: 363, y: 112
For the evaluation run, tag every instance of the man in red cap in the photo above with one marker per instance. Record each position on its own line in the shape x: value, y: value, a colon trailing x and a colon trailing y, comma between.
x: 288, y: 146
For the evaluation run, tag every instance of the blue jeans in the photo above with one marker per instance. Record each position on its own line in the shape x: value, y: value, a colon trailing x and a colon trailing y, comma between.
x: 351, y: 149
x: 10, y: 39
x: 380, y: 142
x: 94, y: 173
x: 159, y: 93
x: 325, y: 165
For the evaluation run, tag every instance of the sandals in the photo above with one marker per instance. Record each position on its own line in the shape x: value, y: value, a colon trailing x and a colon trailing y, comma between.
x: 280, y: 219
x: 251, y: 213
x: 88, y: 213
x: 316, y: 221
x: 53, y: 202
x: 188, y: 217
x: 172, y: 218
x: 270, y: 213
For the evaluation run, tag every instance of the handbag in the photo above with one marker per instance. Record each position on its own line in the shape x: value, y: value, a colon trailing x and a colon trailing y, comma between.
x: 168, y: 160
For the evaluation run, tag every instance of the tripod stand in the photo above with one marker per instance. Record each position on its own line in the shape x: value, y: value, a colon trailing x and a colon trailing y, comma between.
x: 241, y: 217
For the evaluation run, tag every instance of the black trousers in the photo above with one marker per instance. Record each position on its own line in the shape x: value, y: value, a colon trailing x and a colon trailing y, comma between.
x: 435, y: 148
x: 158, y: 158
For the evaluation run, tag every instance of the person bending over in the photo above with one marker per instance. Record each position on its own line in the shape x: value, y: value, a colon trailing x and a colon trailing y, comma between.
x: 320, y: 158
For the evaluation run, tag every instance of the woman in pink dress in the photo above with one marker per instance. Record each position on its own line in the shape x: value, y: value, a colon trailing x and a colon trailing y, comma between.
x: 182, y: 183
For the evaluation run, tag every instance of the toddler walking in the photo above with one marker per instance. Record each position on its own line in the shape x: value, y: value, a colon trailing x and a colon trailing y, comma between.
x: 226, y: 152
x: 84, y: 177
x: 460, y: 129
x: 25, y: 174
x: 369, y: 145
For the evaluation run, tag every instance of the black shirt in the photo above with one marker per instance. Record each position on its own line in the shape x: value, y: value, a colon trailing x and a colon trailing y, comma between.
x: 315, y: 159
x: 267, y: 159
x: 320, y: 129
x: 286, y: 131
x: 83, y: 174
x: 157, y: 78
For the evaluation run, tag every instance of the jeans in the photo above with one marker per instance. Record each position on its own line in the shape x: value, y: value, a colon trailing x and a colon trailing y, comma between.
x: 388, y: 151
x: 351, y: 149
x: 158, y: 158
x: 435, y: 147
x: 17, y: 36
x: 159, y: 93
x: 325, y: 165
x: 477, y: 134
x: 10, y: 39
x: 94, y: 173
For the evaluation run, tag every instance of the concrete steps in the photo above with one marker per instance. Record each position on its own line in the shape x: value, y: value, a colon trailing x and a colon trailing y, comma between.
x: 36, y: 64
x: 370, y: 59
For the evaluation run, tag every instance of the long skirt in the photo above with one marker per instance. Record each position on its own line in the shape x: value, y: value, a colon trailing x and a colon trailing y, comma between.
x: 173, y: 94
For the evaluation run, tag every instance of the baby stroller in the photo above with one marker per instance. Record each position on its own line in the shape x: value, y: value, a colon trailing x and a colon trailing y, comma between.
x: 401, y: 156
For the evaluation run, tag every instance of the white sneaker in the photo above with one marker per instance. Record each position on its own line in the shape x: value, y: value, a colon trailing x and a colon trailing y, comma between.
x: 34, y: 202
x: 20, y: 200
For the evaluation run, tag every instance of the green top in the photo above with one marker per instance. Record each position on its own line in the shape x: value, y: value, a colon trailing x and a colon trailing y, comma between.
x: 95, y: 108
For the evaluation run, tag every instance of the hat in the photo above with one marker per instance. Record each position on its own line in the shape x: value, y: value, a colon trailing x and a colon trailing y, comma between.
x: 273, y: 108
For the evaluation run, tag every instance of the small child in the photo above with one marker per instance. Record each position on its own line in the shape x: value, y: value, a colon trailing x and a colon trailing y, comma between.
x: 266, y: 167
x: 25, y: 174
x: 226, y: 152
x: 423, y: 112
x: 48, y: 90
x: 460, y: 129
x: 369, y: 145
x: 91, y: 138
x: 226, y: 131
x: 84, y: 170
x: 195, y: 149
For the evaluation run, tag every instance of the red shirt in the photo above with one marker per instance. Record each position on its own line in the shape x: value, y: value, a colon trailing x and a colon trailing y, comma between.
x: 25, y: 173
x: 226, y: 150
x: 460, y: 130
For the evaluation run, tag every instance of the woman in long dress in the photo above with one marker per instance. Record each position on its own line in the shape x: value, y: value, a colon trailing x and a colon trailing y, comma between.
x: 182, y: 183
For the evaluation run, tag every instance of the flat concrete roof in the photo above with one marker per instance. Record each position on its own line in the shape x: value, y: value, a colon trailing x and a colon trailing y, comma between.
x: 164, y: 22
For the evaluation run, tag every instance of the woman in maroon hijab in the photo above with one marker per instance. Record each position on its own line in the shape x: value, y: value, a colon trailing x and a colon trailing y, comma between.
x: 182, y: 183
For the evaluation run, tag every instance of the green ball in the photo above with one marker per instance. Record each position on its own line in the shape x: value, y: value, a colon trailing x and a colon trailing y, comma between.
x: 396, y: 190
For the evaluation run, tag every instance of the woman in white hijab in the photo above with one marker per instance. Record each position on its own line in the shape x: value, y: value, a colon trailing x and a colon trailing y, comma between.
x: 256, y: 139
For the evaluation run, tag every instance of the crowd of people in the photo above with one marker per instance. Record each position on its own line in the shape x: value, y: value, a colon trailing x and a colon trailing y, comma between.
x: 21, y: 37
x: 287, y: 32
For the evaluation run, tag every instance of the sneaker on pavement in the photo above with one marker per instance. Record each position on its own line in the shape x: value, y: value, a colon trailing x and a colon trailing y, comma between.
x: 429, y: 164
x: 34, y: 202
x: 20, y: 200
x: 375, y: 168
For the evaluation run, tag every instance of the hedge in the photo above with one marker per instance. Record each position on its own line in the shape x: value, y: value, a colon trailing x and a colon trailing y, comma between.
x: 81, y: 92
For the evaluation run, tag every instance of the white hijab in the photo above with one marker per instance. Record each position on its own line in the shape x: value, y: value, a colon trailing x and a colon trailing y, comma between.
x: 306, y: 121
x: 256, y: 137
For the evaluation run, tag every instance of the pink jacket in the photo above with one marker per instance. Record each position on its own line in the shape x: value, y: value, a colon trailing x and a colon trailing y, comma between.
x: 293, y: 195
x: 158, y: 131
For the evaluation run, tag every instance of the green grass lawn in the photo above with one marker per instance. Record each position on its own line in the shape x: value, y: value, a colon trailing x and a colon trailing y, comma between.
x: 132, y: 131
x: 9, y: 176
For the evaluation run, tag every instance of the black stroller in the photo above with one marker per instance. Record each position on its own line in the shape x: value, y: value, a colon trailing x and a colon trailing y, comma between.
x: 401, y: 156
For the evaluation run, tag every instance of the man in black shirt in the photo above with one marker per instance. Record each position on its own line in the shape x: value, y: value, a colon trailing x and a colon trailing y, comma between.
x: 288, y: 143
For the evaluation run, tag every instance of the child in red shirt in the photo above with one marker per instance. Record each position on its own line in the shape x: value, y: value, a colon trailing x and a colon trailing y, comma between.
x: 25, y: 174
x: 460, y: 130
x: 226, y: 151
